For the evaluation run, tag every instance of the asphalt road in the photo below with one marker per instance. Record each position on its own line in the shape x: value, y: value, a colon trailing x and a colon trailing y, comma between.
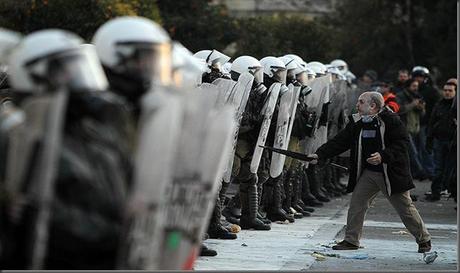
x: 387, y: 246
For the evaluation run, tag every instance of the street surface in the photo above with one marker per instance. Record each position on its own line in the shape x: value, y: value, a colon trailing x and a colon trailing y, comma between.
x: 386, y: 243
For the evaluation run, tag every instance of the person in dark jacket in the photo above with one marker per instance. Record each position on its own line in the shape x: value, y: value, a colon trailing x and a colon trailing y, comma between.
x: 440, y: 131
x: 412, y: 108
x: 400, y: 84
x: 378, y: 142
x: 431, y: 96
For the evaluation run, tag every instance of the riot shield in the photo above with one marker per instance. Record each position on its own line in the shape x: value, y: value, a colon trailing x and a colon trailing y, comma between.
x: 202, y: 148
x: 32, y: 162
x: 218, y: 92
x: 293, y: 109
x: 281, y: 134
x: 321, y: 133
x: 267, y: 111
x: 238, y: 99
x: 337, y: 108
x: 314, y: 102
x: 226, y: 86
x: 159, y: 127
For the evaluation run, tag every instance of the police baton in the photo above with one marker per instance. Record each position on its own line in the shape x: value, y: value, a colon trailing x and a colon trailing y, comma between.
x: 299, y: 156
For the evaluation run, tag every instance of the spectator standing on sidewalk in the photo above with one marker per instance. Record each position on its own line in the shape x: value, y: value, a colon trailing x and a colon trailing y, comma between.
x: 378, y: 143
x: 440, y: 136
x: 431, y: 96
x: 389, y: 96
x: 401, y: 82
x: 412, y: 108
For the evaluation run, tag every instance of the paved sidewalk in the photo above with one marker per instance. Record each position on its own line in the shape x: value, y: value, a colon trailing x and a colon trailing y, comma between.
x: 387, y: 246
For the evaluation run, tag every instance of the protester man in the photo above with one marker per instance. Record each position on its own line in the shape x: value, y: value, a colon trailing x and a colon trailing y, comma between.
x: 379, y: 163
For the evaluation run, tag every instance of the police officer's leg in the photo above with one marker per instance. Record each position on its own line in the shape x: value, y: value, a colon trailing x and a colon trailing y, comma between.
x: 232, y: 211
x: 249, y: 199
x: 315, y: 184
x: 274, y: 209
x: 215, y: 229
x: 307, y: 197
x: 262, y: 178
x: 292, y: 199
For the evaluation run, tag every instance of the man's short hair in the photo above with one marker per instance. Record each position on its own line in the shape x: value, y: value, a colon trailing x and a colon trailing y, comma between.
x: 452, y: 81
x: 375, y: 97
x: 451, y: 84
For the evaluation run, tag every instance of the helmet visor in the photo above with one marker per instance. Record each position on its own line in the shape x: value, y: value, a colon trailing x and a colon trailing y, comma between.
x: 77, y: 70
x: 146, y: 61
x: 302, y: 78
x: 279, y: 74
x: 258, y: 73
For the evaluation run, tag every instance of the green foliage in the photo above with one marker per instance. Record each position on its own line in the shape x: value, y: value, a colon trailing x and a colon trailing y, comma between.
x: 80, y: 16
x: 368, y: 34
x: 388, y: 35
x: 196, y: 24
x: 277, y: 36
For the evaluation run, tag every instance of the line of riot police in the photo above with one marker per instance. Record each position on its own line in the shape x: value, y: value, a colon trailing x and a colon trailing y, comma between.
x: 120, y: 154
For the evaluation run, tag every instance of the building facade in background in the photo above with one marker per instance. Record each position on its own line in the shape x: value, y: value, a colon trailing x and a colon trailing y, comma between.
x: 307, y: 8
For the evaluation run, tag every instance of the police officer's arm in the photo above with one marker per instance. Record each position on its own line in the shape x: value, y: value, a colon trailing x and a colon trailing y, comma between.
x: 396, y: 141
x: 337, y: 145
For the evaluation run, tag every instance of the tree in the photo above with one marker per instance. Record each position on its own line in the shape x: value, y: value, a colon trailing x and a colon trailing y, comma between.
x: 82, y: 17
x: 388, y: 35
x: 197, y: 24
x: 277, y: 36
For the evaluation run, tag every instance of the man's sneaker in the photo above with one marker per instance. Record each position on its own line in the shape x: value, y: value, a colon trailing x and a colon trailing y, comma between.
x: 424, y: 247
x: 344, y: 245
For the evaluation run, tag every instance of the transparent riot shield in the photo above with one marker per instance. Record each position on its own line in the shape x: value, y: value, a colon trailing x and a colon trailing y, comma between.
x: 32, y: 162
x: 203, y: 144
x: 238, y: 99
x: 267, y: 111
x: 281, y: 134
x: 159, y: 128
x: 315, y: 101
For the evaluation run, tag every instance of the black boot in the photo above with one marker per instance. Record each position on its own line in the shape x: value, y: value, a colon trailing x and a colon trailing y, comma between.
x: 274, y: 209
x: 329, y: 184
x: 308, y: 198
x: 232, y: 212
x: 287, y: 198
x: 205, y: 251
x: 297, y: 193
x: 260, y: 216
x: 305, y: 207
x: 249, y: 206
x: 315, y: 185
x: 215, y: 229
